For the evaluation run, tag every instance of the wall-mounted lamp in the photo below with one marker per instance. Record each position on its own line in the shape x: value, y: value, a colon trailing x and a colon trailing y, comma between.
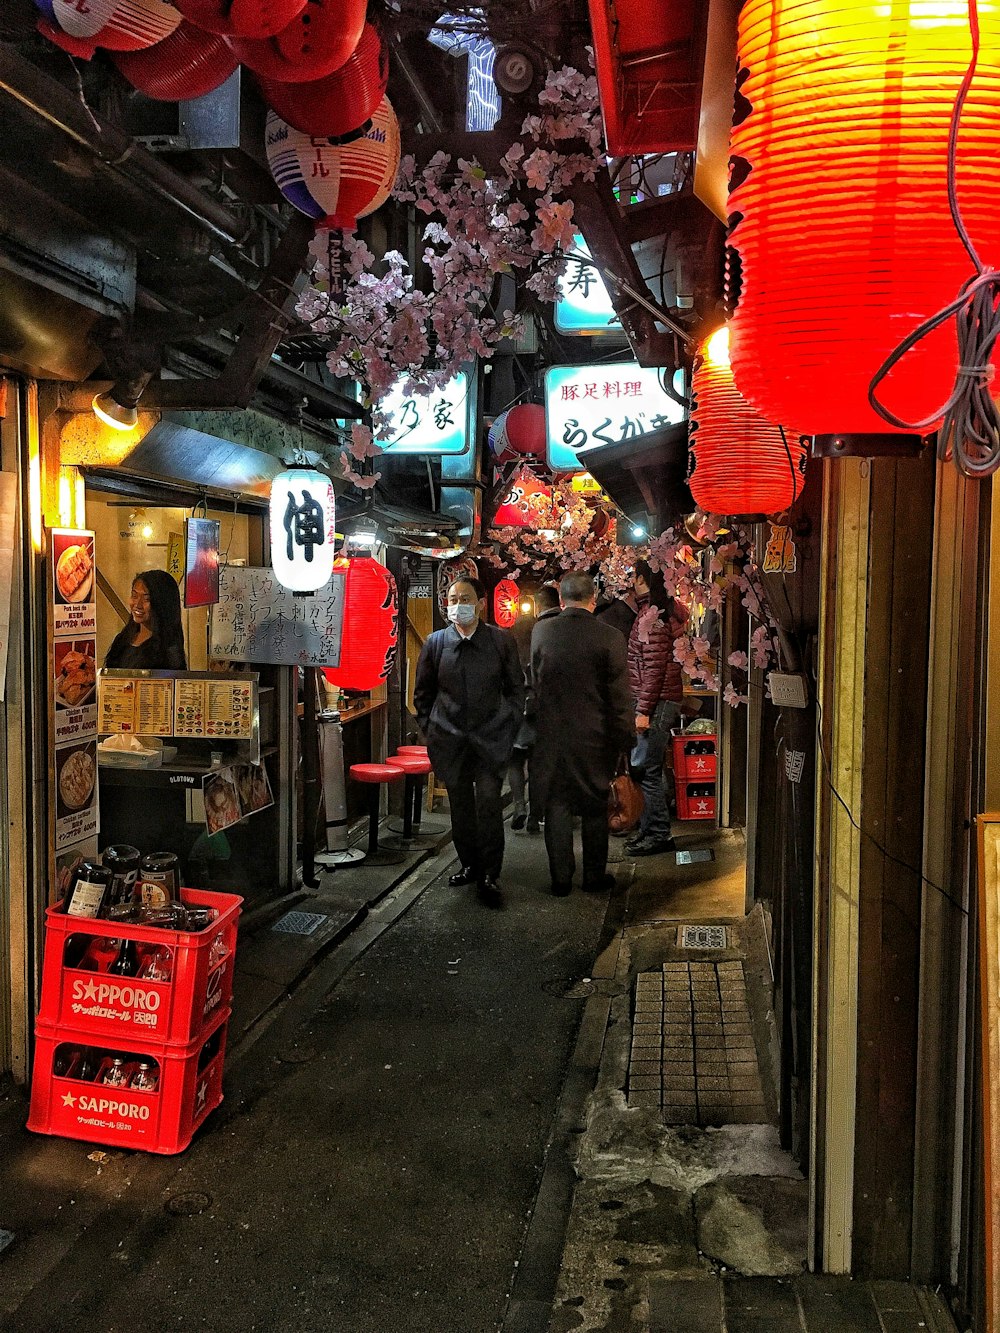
x: 362, y: 538
x: 118, y: 407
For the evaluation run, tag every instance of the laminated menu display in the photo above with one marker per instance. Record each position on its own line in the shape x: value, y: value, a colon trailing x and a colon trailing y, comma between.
x: 216, y: 708
x: 164, y: 704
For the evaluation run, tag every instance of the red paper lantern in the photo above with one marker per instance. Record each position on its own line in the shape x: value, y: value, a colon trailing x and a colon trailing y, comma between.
x: 317, y: 41
x: 525, y: 504
x: 600, y: 522
x: 242, y: 18
x: 187, y: 64
x: 506, y: 603
x: 340, y: 103
x: 335, y: 183
x: 115, y: 25
x: 524, y: 430
x: 742, y: 463
x: 371, y: 625
x: 842, y: 229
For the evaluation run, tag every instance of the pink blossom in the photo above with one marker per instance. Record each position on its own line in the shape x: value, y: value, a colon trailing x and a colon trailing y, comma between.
x: 739, y: 660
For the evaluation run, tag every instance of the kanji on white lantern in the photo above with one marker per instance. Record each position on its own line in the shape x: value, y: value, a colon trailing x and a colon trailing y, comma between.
x: 302, y: 528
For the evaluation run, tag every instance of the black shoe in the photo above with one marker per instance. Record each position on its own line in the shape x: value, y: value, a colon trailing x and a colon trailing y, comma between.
x: 601, y: 885
x: 463, y: 876
x: 518, y: 821
x: 490, y: 893
x: 634, y: 841
x: 533, y: 825
x: 560, y: 890
x: 653, y: 847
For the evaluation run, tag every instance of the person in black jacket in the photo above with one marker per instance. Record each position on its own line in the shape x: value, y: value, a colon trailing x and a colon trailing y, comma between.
x: 469, y: 700
x: 153, y: 639
x: 583, y: 715
x: 529, y: 812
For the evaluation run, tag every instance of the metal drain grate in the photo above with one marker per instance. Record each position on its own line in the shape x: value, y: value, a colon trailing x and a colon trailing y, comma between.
x: 702, y: 937
x: 299, y: 923
x: 689, y: 857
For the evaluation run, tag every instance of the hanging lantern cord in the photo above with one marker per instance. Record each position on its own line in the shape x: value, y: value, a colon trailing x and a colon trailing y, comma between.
x: 970, y: 420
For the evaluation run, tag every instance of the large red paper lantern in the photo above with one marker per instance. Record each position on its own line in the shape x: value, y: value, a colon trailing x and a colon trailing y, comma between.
x: 340, y: 103
x: 842, y: 234
x: 371, y: 625
x: 506, y: 603
x: 317, y: 41
x: 523, y: 430
x: 187, y: 64
x: 115, y: 25
x: 526, y: 503
x: 743, y: 463
x: 242, y: 18
x: 335, y: 183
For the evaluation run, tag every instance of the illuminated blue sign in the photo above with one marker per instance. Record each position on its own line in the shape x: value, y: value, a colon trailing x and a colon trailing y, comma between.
x: 591, y: 407
x: 584, y: 305
x: 428, y: 423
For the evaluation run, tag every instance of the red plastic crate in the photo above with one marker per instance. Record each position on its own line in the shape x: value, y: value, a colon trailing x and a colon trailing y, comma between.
x: 694, y: 800
x: 163, y: 1121
x: 130, y: 1009
x: 690, y: 767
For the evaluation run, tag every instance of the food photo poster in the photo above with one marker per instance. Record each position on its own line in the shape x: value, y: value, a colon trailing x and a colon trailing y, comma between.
x: 74, y: 582
x: 232, y: 793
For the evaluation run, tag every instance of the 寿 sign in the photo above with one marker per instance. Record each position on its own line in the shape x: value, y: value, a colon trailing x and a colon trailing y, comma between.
x: 591, y: 407
x: 584, y: 305
x: 428, y: 423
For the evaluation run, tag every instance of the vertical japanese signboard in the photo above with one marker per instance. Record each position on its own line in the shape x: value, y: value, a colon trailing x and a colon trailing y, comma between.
x: 592, y: 407
x: 583, y: 305
x: 74, y: 683
x: 988, y: 830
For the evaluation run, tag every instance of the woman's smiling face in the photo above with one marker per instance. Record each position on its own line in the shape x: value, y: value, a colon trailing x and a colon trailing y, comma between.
x: 139, y: 605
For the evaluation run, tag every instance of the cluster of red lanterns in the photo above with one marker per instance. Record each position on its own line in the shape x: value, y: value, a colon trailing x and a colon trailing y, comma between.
x: 322, y: 69
x: 371, y: 625
x: 526, y: 503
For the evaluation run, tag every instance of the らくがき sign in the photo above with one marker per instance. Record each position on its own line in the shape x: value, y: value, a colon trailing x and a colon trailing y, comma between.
x: 428, y: 423
x: 592, y: 407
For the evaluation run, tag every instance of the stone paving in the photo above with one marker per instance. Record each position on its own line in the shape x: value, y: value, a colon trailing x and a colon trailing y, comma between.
x: 693, y: 1055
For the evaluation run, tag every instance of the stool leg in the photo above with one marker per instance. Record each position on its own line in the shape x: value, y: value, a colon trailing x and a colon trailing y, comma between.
x: 418, y: 802
x: 374, y: 793
x: 408, y: 807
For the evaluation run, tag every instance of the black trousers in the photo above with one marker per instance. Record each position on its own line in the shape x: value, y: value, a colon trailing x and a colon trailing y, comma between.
x: 561, y: 806
x: 477, y: 817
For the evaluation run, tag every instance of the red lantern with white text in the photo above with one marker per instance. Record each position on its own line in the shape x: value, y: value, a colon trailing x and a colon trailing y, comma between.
x: 187, y: 64
x: 743, y: 464
x: 842, y: 236
x: 371, y: 625
x: 527, y: 503
x: 303, y: 528
x: 506, y: 603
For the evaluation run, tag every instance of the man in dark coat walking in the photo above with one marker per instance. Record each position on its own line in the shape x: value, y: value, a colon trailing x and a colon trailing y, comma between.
x: 469, y: 700
x: 584, y: 716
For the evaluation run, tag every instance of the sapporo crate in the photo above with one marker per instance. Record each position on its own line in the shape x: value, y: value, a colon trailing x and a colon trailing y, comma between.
x: 163, y: 1121
x: 690, y: 766
x: 696, y: 800
x: 119, y: 1009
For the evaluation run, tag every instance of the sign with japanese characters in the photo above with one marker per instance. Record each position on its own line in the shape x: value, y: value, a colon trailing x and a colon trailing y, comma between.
x: 303, y: 523
x: 592, y: 407
x: 258, y: 620
x: 428, y: 423
x: 74, y: 590
x: 584, y: 303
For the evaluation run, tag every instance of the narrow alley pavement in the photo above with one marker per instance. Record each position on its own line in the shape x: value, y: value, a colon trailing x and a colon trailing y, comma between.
x: 460, y: 1121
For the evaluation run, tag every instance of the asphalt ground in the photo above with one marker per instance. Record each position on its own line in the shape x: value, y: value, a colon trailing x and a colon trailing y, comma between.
x: 375, y: 1164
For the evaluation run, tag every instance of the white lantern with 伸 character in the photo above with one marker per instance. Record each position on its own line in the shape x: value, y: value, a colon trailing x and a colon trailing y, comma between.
x: 302, y: 528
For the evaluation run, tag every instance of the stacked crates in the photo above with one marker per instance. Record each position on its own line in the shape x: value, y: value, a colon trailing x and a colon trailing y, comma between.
x: 695, y: 771
x: 91, y: 1021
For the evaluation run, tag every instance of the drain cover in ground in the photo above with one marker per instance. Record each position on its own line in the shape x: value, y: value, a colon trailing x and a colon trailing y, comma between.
x: 299, y: 923
x: 695, y: 854
x: 702, y: 937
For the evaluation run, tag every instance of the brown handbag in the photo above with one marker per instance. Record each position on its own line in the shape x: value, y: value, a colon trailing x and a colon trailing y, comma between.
x: 624, y: 801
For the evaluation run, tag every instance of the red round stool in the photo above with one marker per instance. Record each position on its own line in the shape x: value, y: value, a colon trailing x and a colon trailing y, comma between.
x: 411, y: 749
x: 373, y: 775
x: 416, y: 767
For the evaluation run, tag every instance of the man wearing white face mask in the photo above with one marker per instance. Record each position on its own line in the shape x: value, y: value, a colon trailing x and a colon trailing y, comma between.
x: 469, y: 698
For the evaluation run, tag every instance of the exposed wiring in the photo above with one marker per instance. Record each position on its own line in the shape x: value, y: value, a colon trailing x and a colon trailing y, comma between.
x: 969, y: 433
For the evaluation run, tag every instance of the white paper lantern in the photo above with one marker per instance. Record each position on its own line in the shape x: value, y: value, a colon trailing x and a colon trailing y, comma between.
x: 302, y: 528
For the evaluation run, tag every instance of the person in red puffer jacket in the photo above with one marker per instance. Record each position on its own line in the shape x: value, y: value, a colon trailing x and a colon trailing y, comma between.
x: 658, y: 688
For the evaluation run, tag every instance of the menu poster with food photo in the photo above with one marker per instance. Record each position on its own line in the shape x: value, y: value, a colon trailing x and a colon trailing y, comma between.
x: 222, y: 801
x: 253, y: 787
x: 76, y: 793
x: 75, y: 688
x: 154, y: 706
x: 74, y: 583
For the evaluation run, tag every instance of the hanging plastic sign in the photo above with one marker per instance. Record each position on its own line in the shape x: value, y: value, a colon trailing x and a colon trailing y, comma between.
x: 593, y: 407
x: 428, y: 423
x: 584, y: 304
x: 302, y: 529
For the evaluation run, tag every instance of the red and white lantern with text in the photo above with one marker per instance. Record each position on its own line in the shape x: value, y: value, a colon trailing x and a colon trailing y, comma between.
x: 302, y: 513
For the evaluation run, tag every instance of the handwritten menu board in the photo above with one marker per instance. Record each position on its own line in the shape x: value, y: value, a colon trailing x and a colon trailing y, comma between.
x: 258, y: 620
x: 215, y: 708
x: 988, y: 830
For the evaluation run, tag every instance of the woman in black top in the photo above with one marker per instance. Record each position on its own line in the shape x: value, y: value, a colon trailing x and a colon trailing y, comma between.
x: 153, y: 639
